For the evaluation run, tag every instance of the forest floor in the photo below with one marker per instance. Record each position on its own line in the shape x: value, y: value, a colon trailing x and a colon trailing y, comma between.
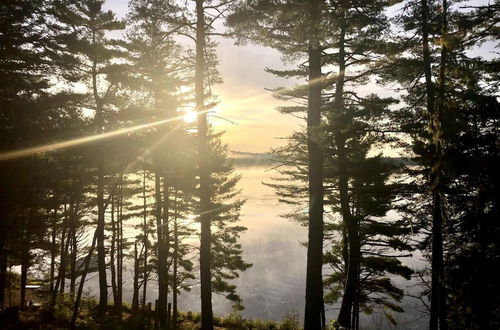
x: 39, y: 318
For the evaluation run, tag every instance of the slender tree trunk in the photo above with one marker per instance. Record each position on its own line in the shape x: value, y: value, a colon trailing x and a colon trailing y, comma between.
x: 438, y: 219
x: 174, y: 273
x: 166, y: 236
x: 101, y: 252
x: 351, y: 224
x: 25, y: 258
x: 76, y: 307
x: 135, y: 295
x: 24, y: 275
x: 438, y: 297
x: 65, y: 243
x: 204, y: 173
x: 145, y: 242
x: 112, y: 252
x: 74, y: 250
x: 481, y: 303
x: 119, y: 253
x: 65, y: 240
x: 162, y: 261
x: 314, y: 281
x: 354, y: 255
x: 53, y: 251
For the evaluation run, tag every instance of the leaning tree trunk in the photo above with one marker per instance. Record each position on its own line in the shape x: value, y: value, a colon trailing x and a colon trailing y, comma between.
x: 78, y: 298
x: 314, y: 306
x: 204, y: 192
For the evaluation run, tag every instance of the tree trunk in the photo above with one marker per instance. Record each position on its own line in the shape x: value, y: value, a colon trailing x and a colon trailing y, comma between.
x: 74, y: 250
x: 174, y: 275
x: 25, y: 258
x: 438, y: 218
x: 82, y: 281
x: 112, y: 252
x: 145, y: 242
x: 314, y: 281
x: 119, y: 253
x: 24, y: 275
x: 351, y: 224
x: 166, y: 237
x: 204, y: 174
x: 101, y: 252
x: 53, y: 251
x: 135, y: 295
x: 64, y: 250
x: 438, y: 296
x: 162, y: 262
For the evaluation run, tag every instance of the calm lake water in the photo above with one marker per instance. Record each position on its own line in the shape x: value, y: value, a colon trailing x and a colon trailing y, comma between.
x: 275, y: 285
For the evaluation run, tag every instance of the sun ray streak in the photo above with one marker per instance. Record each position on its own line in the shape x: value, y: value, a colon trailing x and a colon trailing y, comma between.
x: 87, y: 139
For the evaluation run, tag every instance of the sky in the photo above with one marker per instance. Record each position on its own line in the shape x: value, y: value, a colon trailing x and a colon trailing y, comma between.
x: 246, y: 111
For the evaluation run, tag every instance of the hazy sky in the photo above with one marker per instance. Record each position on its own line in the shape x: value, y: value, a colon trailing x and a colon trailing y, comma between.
x: 244, y: 100
x: 243, y: 97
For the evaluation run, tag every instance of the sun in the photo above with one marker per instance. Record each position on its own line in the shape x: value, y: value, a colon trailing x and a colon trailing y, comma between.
x: 190, y: 117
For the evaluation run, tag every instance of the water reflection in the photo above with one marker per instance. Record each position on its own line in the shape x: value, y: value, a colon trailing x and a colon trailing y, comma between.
x: 275, y: 285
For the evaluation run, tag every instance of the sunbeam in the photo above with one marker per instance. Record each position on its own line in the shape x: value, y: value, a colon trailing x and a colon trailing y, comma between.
x: 87, y: 139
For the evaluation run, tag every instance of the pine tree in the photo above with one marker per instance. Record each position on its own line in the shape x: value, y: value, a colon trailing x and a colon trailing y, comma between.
x: 84, y: 44
x: 31, y: 115
x: 286, y: 27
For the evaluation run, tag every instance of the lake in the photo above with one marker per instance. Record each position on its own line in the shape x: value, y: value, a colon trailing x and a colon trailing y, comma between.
x: 275, y: 285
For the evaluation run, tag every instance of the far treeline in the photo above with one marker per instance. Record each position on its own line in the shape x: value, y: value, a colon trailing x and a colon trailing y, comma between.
x: 399, y: 156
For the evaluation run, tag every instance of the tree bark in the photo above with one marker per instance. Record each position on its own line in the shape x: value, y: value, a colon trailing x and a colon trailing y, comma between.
x: 351, y: 224
x: 204, y: 174
x: 24, y: 275
x: 101, y: 252
x: 166, y: 237
x: 74, y: 250
x: 313, y: 316
x: 53, y: 251
x: 162, y: 262
x: 438, y: 297
x: 82, y: 281
x: 135, y: 295
x: 119, y: 252
x: 25, y: 258
x: 145, y: 242
x: 174, y: 275
x: 112, y: 252
x: 65, y: 240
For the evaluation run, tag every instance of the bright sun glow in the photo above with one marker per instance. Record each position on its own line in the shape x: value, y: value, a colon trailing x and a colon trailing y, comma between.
x: 190, y: 117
